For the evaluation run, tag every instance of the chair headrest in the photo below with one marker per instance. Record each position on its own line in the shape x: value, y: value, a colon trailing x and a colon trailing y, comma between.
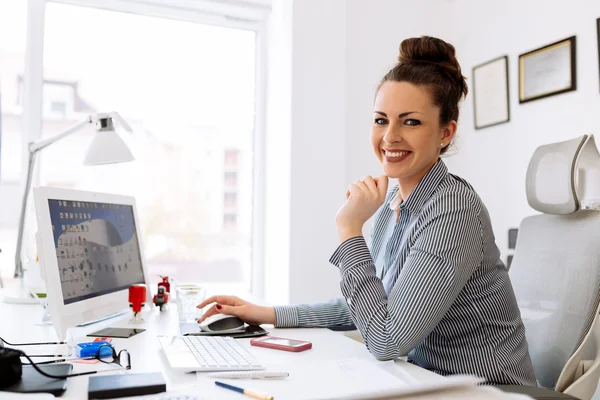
x: 564, y: 177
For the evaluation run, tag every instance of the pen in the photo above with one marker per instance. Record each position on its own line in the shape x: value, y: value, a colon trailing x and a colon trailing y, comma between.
x: 250, y: 375
x: 250, y: 393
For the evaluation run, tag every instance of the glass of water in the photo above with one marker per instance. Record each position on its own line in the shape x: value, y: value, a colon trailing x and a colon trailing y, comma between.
x: 188, y: 297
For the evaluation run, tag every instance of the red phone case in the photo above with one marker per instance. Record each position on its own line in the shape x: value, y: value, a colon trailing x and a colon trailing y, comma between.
x: 257, y: 342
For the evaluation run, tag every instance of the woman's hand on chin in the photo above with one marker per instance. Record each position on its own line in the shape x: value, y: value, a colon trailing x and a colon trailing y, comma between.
x: 363, y: 199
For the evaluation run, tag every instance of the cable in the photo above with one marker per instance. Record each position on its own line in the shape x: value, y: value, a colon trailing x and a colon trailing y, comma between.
x: 48, y: 362
x: 48, y: 355
x: 30, y: 344
x: 22, y: 354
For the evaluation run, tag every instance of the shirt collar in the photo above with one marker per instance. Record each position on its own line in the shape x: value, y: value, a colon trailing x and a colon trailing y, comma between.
x: 422, y: 192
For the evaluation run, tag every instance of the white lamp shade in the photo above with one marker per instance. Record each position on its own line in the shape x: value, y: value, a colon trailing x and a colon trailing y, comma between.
x: 107, y: 147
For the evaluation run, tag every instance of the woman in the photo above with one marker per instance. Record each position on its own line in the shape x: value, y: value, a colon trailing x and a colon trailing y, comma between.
x: 432, y: 286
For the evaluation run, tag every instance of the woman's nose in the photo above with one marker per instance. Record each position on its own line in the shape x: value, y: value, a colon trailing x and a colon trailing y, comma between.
x: 391, y: 136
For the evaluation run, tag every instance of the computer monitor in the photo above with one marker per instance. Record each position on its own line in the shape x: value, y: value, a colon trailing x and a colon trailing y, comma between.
x: 89, y: 253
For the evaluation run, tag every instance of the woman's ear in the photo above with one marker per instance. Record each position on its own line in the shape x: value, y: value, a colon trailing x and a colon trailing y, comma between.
x: 449, y: 131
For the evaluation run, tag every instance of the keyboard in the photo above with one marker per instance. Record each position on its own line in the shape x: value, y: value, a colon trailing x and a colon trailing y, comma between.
x: 208, y: 353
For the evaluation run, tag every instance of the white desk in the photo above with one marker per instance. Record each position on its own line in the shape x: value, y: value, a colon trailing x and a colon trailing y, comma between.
x: 18, y: 324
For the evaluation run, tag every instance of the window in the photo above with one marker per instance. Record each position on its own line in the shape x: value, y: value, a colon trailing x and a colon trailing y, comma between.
x: 230, y: 221
x: 230, y: 200
x: 231, y: 179
x: 59, y: 108
x: 231, y: 157
x: 179, y: 151
x: 13, y: 29
x: 58, y: 99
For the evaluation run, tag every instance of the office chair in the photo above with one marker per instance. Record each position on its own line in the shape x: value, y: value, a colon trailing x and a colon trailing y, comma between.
x: 555, y: 271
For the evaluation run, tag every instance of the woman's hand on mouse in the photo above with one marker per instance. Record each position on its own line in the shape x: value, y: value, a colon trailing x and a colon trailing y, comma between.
x: 250, y: 313
x: 363, y: 199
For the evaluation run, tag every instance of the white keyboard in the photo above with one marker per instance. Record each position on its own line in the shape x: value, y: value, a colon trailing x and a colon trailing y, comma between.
x: 208, y: 353
x: 221, y: 353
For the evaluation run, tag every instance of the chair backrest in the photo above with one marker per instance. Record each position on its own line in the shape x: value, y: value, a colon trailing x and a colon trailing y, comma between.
x: 555, y: 270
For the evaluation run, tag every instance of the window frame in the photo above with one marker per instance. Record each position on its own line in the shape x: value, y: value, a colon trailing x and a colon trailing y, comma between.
x: 240, y: 14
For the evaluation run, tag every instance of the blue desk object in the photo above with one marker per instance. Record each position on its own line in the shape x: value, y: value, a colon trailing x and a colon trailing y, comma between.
x: 90, y: 349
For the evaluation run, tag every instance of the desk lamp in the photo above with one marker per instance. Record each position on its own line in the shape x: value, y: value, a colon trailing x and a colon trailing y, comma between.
x: 106, y: 148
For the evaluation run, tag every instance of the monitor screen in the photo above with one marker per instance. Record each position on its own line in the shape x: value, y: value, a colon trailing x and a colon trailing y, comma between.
x: 97, y: 248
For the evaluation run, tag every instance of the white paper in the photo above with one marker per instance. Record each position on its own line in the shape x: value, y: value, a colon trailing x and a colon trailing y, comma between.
x: 343, y: 379
x: 491, y: 93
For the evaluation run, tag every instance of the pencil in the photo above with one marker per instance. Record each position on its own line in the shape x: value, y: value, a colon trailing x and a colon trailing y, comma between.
x: 250, y: 393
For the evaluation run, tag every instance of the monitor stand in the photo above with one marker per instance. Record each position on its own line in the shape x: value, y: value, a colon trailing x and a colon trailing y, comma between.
x: 104, y: 318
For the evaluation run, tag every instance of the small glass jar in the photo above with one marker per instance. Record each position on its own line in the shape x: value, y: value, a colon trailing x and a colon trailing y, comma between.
x: 188, y: 296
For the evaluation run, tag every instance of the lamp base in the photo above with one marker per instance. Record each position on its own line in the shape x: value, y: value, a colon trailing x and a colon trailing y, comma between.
x: 17, y: 292
x: 24, y: 297
x: 20, y: 295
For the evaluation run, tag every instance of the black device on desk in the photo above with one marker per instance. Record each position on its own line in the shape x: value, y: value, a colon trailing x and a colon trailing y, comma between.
x: 221, y: 325
x: 32, y: 381
x: 122, y: 333
x: 192, y: 329
x: 113, y: 386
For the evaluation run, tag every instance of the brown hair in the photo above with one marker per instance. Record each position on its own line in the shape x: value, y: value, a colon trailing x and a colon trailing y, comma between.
x: 431, y: 62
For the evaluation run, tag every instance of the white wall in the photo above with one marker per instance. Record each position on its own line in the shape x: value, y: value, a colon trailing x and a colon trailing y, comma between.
x: 305, y: 160
x: 318, y: 135
x: 277, y: 155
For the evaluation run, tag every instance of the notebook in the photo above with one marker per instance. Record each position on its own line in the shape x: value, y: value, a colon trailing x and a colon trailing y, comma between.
x: 124, y: 385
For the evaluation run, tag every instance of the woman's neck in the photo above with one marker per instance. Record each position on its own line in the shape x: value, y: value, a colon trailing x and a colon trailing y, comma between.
x: 407, y: 184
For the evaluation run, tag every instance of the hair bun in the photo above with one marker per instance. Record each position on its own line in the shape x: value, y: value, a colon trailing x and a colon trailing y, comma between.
x: 428, y: 49
x: 433, y: 51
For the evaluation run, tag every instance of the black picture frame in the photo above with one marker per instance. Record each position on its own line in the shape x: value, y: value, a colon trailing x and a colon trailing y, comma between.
x: 505, y: 94
x: 598, y: 34
x: 571, y: 42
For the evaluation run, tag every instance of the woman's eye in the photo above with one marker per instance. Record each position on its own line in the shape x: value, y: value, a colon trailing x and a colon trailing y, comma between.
x: 380, y: 121
x: 412, y: 122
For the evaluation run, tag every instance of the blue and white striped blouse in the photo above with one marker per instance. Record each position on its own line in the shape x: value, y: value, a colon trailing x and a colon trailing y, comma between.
x: 445, y: 299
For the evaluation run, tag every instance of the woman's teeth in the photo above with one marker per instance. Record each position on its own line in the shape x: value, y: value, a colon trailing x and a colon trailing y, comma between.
x: 396, y: 154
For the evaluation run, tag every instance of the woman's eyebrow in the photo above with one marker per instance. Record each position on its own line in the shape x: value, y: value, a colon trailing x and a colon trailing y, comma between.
x: 402, y: 115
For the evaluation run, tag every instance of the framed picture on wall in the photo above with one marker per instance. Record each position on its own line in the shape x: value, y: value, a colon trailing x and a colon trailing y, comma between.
x: 598, y: 34
x: 490, y: 93
x: 548, y: 71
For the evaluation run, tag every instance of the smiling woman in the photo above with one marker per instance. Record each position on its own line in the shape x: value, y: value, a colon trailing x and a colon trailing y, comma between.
x: 431, y: 285
x: 416, y: 110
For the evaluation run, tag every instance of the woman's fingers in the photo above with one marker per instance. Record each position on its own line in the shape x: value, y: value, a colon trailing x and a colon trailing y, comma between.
x: 382, y: 185
x: 229, y: 300
x: 209, y: 313
x: 370, y: 184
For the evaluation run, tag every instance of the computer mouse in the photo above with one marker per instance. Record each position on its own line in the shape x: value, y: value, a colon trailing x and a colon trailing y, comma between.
x: 222, y: 323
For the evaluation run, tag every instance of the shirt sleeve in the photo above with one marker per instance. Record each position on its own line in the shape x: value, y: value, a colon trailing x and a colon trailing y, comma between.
x: 447, y: 249
x: 318, y: 315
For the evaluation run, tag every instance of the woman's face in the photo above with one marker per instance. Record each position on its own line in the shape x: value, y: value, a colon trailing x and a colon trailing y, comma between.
x: 406, y: 131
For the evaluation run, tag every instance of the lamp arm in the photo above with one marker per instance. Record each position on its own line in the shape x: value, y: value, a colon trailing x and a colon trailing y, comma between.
x: 43, y: 143
x: 34, y: 148
x: 18, y: 261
